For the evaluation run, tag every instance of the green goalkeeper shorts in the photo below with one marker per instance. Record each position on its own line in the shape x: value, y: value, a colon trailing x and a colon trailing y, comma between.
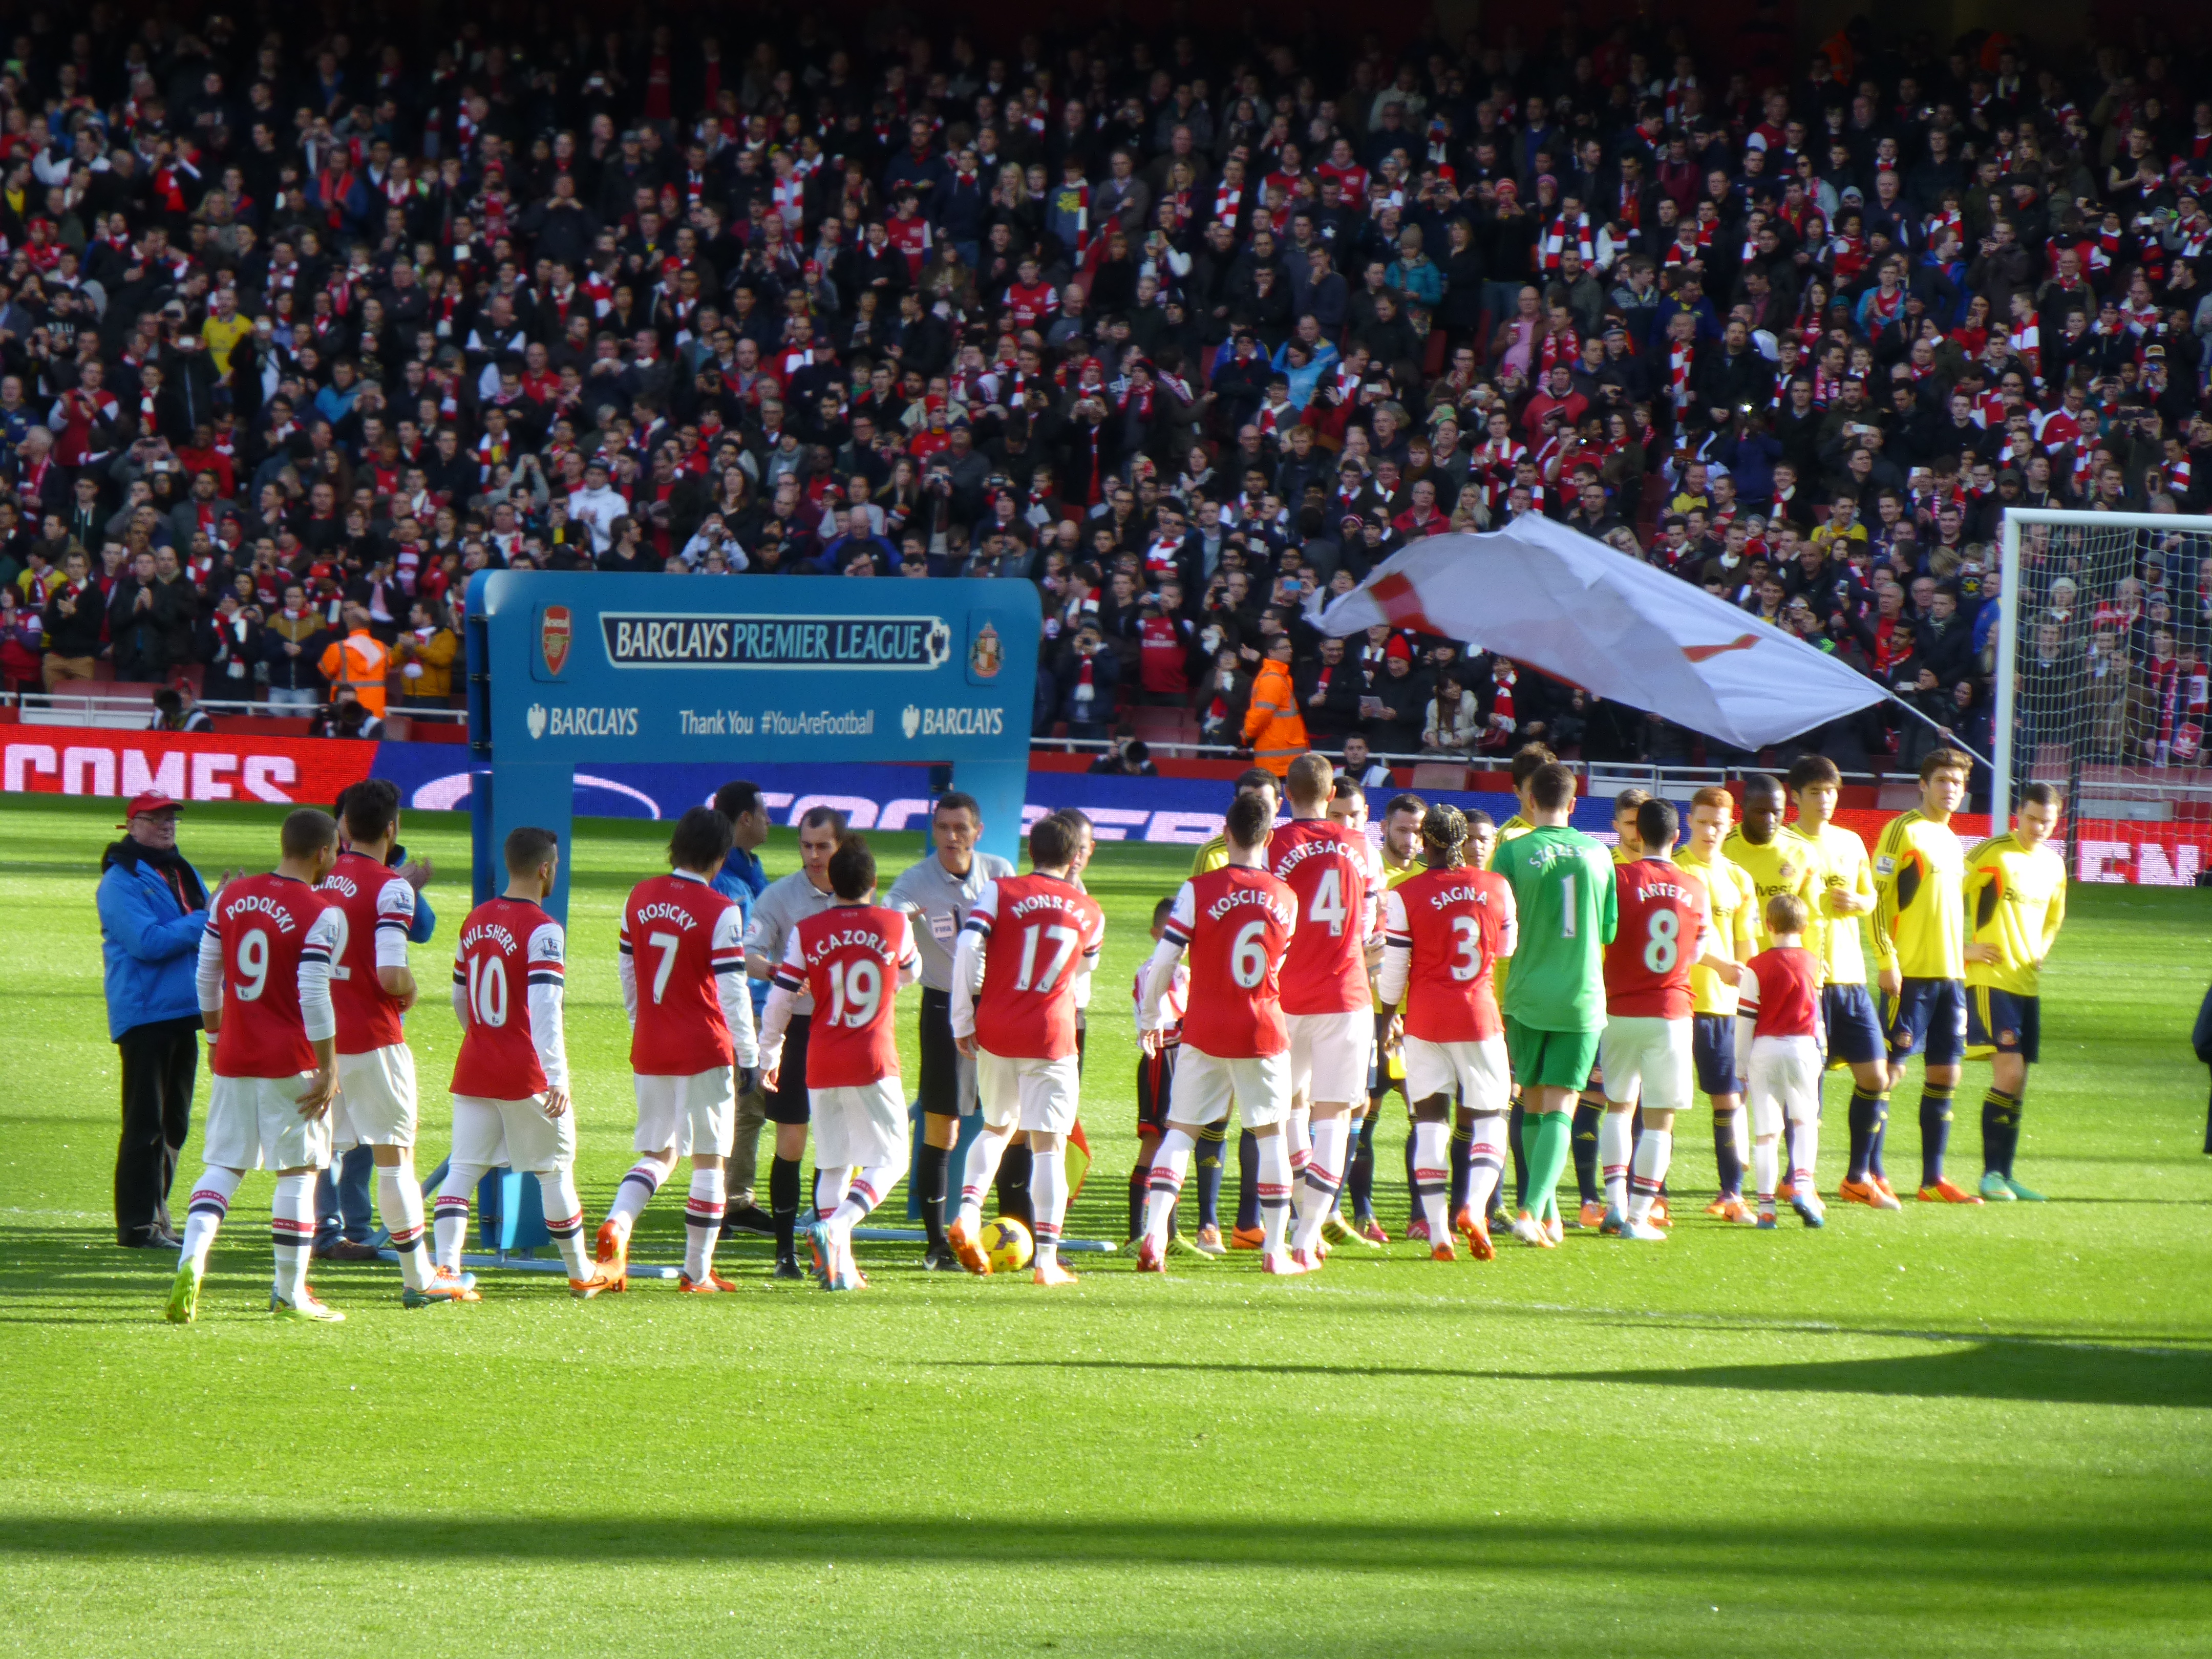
x: 1559, y: 1059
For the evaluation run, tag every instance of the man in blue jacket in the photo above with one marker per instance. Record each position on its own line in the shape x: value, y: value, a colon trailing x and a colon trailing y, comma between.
x: 153, y: 909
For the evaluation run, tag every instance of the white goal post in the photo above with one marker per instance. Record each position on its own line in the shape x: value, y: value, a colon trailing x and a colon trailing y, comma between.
x: 2088, y: 602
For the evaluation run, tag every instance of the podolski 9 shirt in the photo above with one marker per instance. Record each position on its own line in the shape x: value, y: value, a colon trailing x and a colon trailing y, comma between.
x: 265, y: 962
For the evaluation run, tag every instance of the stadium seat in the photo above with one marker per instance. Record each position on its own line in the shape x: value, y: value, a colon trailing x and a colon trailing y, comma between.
x: 1439, y: 775
x: 1165, y: 726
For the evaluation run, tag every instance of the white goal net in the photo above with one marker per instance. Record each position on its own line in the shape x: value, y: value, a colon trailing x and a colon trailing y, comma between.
x: 2105, y: 626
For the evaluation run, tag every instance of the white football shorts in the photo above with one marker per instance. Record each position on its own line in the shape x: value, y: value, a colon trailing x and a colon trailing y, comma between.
x: 695, y: 1113
x: 514, y: 1133
x: 1476, y: 1069
x: 1784, y: 1080
x: 376, y: 1104
x: 1024, y: 1092
x: 1649, y: 1060
x: 254, y: 1123
x: 1206, y: 1086
x: 859, y: 1124
x: 1330, y: 1054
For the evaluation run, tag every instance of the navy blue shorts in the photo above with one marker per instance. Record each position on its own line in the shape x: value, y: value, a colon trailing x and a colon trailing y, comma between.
x: 1713, y: 1049
x: 1929, y: 1016
x: 1854, y: 1031
x: 2004, y: 1023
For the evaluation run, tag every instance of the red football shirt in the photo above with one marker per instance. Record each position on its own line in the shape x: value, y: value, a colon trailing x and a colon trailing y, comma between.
x: 1781, y: 990
x: 507, y: 945
x: 1040, y: 936
x: 1326, y: 866
x: 680, y: 934
x: 1235, y: 925
x: 1664, y: 916
x: 851, y: 959
x: 374, y: 907
x: 266, y: 929
x: 1452, y: 923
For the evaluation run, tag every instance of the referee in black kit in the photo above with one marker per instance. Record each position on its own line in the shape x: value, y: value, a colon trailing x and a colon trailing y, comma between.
x: 938, y: 894
x: 781, y: 906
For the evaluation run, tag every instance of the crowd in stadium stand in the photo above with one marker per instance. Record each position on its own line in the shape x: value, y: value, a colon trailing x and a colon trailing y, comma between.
x: 299, y: 329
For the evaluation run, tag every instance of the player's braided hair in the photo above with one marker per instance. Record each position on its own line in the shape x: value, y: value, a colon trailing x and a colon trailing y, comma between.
x: 1445, y: 832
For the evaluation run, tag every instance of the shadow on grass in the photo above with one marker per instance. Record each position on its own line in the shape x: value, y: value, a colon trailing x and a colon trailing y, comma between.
x: 2141, y: 1555
x: 2008, y: 1370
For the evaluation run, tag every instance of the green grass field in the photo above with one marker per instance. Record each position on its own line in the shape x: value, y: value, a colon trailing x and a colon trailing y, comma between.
x: 1949, y: 1431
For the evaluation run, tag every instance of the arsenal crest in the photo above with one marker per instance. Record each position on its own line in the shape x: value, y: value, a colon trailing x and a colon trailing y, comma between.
x: 556, y: 631
x: 986, y: 657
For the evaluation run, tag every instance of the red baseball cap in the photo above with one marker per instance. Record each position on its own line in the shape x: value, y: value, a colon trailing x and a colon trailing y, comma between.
x: 152, y: 801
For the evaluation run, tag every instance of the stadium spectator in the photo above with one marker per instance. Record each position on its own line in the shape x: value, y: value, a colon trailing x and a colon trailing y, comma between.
x: 1064, y: 323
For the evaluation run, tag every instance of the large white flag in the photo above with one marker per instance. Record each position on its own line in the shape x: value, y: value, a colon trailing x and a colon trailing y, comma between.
x: 1543, y: 594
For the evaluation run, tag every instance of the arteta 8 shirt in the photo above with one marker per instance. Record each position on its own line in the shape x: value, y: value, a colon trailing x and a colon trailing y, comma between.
x: 1026, y: 950
x: 1329, y: 868
x: 510, y: 975
x: 1443, y: 931
x: 683, y: 965
x: 374, y: 908
x: 1664, y: 918
x: 1235, y: 926
x: 264, y: 962
x: 852, y: 959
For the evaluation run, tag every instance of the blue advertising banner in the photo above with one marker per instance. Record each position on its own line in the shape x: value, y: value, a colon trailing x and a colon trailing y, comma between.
x: 575, y: 678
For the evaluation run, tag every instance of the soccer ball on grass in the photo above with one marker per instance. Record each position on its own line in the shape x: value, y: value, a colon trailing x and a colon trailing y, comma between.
x: 1007, y: 1243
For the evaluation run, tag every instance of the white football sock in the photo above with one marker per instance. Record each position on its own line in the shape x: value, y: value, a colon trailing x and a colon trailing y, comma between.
x: 1324, y: 1171
x: 1486, y: 1159
x: 981, y: 1169
x: 830, y: 1188
x: 211, y: 1196
x: 292, y: 1232
x: 1740, y: 1121
x: 1764, y: 1159
x: 1616, y: 1137
x: 399, y: 1201
x: 1808, y: 1151
x: 1432, y: 1178
x: 564, y: 1220
x: 635, y: 1192
x: 1297, y: 1133
x: 1048, y: 1201
x: 1274, y: 1191
x: 1653, y: 1154
x: 866, y: 1191
x: 1163, y: 1183
x: 450, y: 1217
x: 702, y: 1223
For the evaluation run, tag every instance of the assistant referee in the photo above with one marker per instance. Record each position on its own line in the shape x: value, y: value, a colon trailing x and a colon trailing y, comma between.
x: 938, y: 893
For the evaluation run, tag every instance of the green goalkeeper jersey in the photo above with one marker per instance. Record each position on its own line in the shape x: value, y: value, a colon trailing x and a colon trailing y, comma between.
x: 1564, y: 893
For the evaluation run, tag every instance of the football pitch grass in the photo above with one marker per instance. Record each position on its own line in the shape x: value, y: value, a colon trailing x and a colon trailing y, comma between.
x: 1947, y: 1431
